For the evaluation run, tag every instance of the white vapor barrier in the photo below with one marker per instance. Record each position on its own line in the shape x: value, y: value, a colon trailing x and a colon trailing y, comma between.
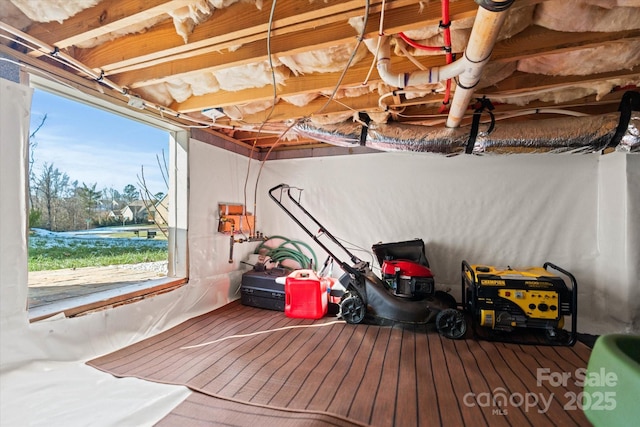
x: 43, y: 376
x: 72, y: 394
x: 517, y: 210
x: 633, y: 243
x: 218, y: 177
x: 15, y: 101
x: 618, y: 291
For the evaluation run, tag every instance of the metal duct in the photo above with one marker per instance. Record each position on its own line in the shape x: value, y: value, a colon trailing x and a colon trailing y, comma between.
x: 399, y: 137
x: 577, y: 135
x: 561, y: 135
x: 630, y: 141
x: 345, y: 134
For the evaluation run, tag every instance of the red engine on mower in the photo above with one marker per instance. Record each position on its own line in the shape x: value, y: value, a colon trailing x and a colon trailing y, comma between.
x: 407, y: 278
x: 405, y: 268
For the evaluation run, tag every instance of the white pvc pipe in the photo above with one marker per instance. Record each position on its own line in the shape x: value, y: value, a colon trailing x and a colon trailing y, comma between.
x: 416, y: 78
x: 468, y: 69
x: 481, y: 42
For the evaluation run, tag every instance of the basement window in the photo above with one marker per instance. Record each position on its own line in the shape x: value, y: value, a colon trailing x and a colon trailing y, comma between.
x: 104, y: 204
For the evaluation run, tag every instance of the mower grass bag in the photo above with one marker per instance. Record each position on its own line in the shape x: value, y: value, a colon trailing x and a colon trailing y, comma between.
x: 525, y: 306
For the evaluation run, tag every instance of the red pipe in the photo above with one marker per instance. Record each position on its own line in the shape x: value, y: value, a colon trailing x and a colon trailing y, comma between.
x: 445, y: 23
x: 417, y: 45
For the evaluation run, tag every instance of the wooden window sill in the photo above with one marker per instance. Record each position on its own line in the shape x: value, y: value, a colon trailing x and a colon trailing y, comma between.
x: 126, y: 294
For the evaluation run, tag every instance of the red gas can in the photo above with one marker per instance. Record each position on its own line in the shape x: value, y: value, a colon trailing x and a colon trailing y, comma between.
x: 305, y: 295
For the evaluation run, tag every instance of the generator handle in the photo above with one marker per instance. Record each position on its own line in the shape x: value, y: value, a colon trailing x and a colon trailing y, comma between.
x: 466, y: 267
x: 348, y: 268
x: 574, y: 301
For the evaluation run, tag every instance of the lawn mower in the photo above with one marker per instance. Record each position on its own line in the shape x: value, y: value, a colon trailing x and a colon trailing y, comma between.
x: 515, y: 306
x: 406, y: 292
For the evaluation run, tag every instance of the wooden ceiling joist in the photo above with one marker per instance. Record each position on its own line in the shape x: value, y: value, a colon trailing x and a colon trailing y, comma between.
x: 223, y: 31
x: 357, y: 74
x: 212, y: 59
x: 517, y: 83
x: 523, y: 83
x: 535, y: 41
x: 292, y: 43
x: 285, y: 111
x: 106, y: 17
x: 325, y: 27
x: 309, y: 83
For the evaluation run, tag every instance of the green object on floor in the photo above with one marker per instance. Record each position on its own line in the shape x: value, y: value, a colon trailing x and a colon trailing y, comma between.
x: 612, y: 381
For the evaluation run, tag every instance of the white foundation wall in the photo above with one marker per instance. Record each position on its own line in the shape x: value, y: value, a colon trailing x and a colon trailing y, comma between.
x: 617, y: 292
x: 217, y: 176
x: 79, y: 338
x: 516, y: 210
x: 633, y: 249
x: 43, y: 378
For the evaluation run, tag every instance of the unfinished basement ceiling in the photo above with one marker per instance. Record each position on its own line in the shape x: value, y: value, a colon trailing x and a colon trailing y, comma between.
x: 296, y: 74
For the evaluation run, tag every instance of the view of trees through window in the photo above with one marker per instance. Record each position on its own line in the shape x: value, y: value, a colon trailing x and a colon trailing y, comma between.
x: 98, y: 196
x: 58, y: 203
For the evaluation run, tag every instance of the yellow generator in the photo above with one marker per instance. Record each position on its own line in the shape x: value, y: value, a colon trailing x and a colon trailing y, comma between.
x: 527, y: 306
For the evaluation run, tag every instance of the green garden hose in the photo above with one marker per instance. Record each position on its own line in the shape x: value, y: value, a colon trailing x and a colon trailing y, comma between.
x: 281, y: 252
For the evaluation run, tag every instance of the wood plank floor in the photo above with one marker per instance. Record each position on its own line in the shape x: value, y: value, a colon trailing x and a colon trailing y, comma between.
x: 253, y: 366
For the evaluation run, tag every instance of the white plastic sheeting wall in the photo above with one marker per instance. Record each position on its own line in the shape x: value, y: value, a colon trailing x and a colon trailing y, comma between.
x: 217, y: 176
x: 576, y: 211
x: 617, y: 289
x: 44, y: 380
x: 43, y: 377
x: 573, y: 210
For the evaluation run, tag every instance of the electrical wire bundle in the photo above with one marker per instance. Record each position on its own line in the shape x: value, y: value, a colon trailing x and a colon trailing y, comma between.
x: 292, y: 250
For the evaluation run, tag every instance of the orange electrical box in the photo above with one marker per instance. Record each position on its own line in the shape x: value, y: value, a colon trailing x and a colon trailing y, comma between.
x: 234, y: 219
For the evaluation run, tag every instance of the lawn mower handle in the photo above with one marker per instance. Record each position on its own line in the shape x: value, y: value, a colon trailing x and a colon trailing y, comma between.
x: 355, y: 260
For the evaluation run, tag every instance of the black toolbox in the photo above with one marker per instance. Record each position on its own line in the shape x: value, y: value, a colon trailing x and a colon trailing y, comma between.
x: 259, y: 289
